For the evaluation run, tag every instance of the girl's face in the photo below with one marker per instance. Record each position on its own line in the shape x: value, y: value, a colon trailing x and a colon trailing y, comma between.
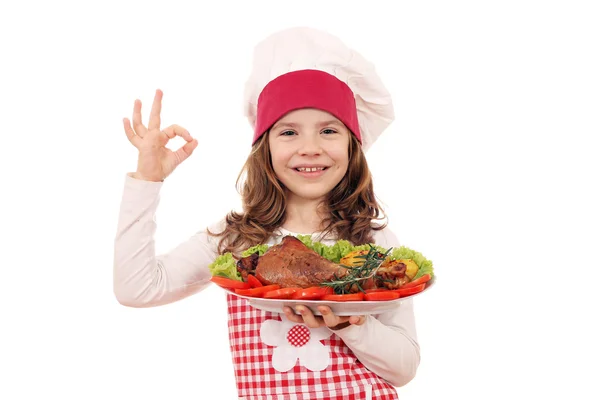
x: 309, y: 152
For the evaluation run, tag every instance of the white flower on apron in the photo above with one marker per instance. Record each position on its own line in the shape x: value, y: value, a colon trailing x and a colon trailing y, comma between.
x: 293, y: 342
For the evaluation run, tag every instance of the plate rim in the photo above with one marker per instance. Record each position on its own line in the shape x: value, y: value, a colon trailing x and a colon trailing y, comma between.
x: 391, y: 303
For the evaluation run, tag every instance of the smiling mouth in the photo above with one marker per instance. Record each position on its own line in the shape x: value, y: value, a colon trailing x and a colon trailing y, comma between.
x: 312, y: 169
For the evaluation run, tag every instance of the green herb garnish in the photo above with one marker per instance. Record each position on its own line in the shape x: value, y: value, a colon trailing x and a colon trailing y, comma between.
x: 357, y: 275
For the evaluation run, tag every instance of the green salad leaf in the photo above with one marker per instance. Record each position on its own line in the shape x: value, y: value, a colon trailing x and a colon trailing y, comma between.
x: 332, y: 253
x: 425, y: 265
x: 260, y: 248
x: 367, y: 247
x: 224, y: 265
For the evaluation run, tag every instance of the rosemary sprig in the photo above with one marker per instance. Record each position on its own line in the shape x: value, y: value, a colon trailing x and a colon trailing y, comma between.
x: 357, y: 275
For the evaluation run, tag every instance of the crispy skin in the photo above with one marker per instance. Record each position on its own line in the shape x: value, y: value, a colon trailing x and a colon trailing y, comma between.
x: 391, y: 277
x: 292, y: 264
x: 247, y: 265
x: 392, y: 271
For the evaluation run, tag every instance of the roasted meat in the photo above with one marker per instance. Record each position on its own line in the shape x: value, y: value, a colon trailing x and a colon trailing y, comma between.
x: 247, y: 265
x: 292, y: 264
x: 392, y: 274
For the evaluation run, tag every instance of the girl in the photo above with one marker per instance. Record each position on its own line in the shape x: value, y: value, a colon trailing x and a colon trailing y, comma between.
x: 315, y: 106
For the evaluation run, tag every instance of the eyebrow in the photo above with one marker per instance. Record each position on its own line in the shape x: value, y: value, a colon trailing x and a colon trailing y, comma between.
x: 295, y: 126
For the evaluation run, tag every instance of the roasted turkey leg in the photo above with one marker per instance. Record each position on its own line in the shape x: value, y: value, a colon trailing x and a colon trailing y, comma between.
x: 292, y: 264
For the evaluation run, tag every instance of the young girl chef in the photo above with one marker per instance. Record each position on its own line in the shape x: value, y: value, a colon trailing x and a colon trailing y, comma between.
x: 315, y: 107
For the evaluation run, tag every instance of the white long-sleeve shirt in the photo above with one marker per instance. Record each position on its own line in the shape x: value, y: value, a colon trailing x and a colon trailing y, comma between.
x: 386, y: 343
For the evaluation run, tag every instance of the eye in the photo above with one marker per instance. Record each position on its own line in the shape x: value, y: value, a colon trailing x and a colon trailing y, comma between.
x: 329, y: 131
x: 287, y: 133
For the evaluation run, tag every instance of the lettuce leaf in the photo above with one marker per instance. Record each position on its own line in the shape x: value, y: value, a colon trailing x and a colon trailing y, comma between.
x: 318, y: 247
x: 332, y: 253
x: 367, y: 247
x: 224, y: 265
x: 260, y: 248
x: 338, y: 250
x: 425, y: 265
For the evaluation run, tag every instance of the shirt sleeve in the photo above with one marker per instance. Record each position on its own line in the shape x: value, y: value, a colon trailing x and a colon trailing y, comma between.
x: 140, y: 277
x: 387, y: 343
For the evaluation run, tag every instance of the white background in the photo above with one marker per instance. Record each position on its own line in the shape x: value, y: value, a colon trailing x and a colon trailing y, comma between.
x: 490, y: 170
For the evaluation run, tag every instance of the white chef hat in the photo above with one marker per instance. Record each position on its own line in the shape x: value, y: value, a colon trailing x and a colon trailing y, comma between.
x: 295, y: 59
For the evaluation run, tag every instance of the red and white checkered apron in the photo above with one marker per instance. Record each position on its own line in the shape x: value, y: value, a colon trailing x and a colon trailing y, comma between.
x: 343, y: 376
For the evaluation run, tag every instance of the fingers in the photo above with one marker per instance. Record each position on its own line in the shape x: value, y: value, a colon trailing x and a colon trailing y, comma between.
x: 306, y: 316
x: 309, y: 318
x: 185, y: 151
x: 357, y: 319
x: 176, y: 130
x: 130, y: 133
x: 329, y: 317
x: 292, y: 316
x: 139, y: 128
x: 154, y: 122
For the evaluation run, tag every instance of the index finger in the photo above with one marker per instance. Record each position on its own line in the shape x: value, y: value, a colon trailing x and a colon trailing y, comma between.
x: 154, y: 122
x: 309, y: 318
x: 176, y: 130
x: 329, y: 317
x: 291, y: 315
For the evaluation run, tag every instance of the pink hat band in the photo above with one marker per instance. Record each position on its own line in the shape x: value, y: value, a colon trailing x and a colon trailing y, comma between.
x: 306, y: 88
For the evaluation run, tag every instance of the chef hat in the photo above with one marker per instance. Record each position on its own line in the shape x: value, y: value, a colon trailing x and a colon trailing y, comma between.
x: 303, y: 67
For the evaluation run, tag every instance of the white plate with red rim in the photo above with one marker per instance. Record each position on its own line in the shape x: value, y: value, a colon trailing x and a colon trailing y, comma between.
x: 341, y: 308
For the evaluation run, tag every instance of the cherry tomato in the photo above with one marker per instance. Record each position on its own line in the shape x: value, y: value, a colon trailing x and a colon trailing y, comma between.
x: 312, y: 293
x: 422, y: 279
x: 409, y: 291
x: 284, y: 293
x: 382, y: 295
x: 256, y: 292
x: 228, y: 283
x: 345, y: 297
x: 253, y: 281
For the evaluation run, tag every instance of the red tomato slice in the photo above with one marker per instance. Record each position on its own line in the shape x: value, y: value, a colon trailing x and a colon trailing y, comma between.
x: 380, y: 296
x: 312, y: 293
x: 227, y: 283
x: 376, y: 290
x: 253, y: 281
x: 409, y: 291
x: 422, y: 279
x: 256, y: 292
x: 345, y: 297
x: 284, y: 293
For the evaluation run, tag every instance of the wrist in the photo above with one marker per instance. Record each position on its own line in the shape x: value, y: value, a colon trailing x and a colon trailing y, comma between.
x: 137, y: 175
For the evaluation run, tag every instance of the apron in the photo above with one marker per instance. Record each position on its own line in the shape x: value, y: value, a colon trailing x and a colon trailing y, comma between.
x: 274, y: 358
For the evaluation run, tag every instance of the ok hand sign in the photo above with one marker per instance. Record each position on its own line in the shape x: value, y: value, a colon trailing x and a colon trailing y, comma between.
x: 155, y: 160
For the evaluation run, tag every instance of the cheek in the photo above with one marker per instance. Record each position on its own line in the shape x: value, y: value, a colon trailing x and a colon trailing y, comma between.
x: 340, y: 156
x: 278, y: 165
x: 280, y: 160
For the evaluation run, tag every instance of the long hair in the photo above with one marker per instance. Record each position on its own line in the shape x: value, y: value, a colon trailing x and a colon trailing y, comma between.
x: 349, y: 208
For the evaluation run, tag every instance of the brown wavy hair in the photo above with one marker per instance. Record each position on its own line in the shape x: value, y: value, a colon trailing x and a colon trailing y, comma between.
x: 349, y: 208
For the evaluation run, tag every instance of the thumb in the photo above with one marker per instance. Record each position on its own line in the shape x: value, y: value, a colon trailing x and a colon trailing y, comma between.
x: 190, y: 146
x: 186, y: 150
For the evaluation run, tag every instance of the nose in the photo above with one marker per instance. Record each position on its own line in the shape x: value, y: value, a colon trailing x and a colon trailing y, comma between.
x: 310, y: 146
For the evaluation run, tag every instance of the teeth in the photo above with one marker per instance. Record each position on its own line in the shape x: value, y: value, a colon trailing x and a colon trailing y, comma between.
x: 302, y: 169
